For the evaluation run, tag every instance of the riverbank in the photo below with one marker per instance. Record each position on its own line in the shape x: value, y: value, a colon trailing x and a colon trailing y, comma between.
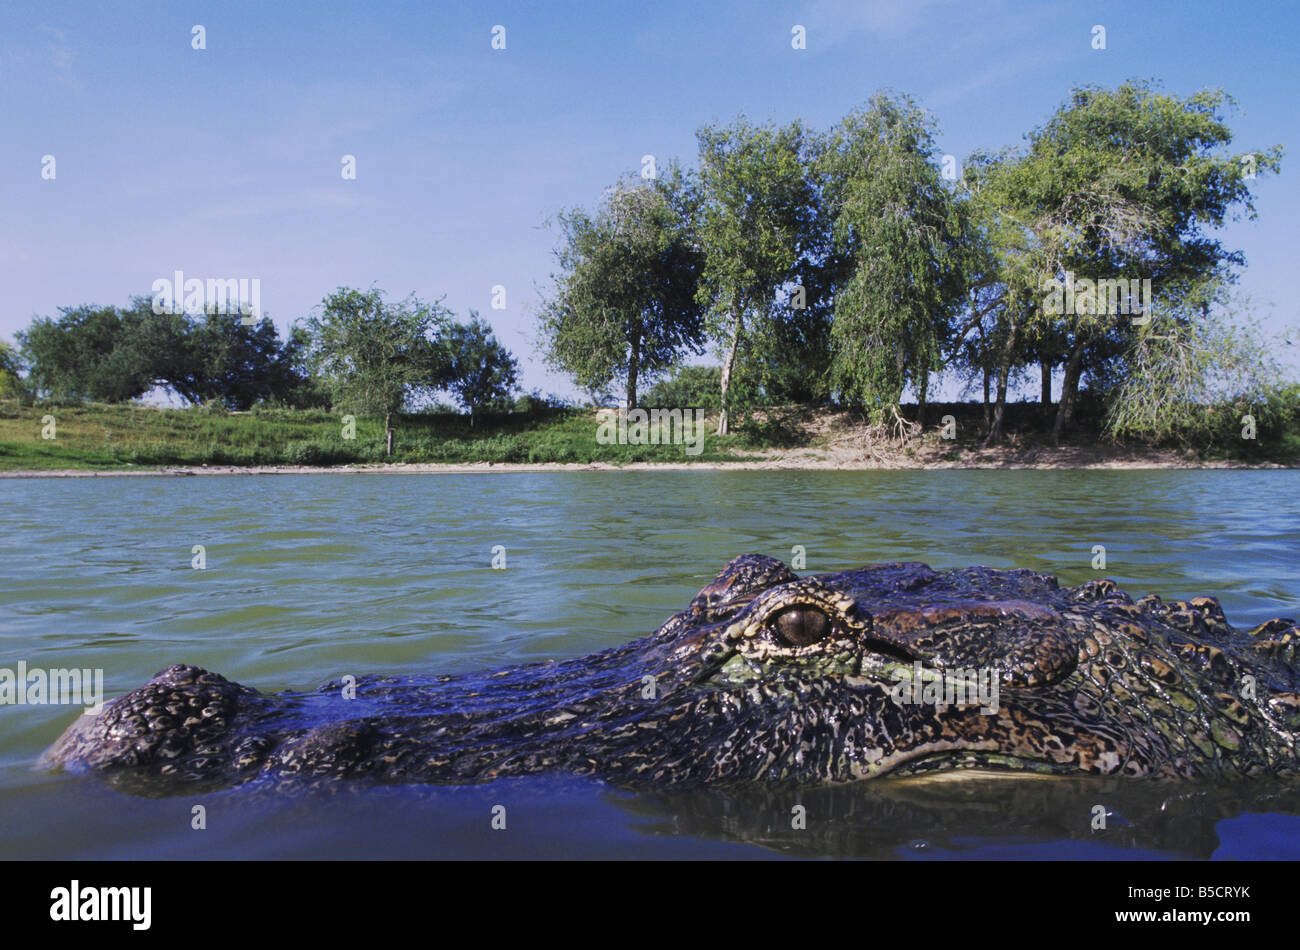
x: 97, y: 440
x: 993, y: 459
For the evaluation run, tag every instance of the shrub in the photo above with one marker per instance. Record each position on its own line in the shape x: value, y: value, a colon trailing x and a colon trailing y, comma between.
x: 319, y: 452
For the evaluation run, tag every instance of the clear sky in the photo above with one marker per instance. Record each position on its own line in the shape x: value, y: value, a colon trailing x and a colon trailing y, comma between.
x: 225, y: 162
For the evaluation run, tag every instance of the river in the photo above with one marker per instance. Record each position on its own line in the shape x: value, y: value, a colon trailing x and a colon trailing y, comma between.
x: 304, y: 578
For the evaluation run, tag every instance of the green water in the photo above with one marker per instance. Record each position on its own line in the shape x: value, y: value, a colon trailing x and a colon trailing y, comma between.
x: 311, y: 577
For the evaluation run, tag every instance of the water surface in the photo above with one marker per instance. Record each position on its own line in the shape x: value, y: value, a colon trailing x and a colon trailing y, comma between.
x: 308, y: 578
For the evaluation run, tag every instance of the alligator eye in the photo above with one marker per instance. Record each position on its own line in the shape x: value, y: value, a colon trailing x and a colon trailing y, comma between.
x: 800, y: 626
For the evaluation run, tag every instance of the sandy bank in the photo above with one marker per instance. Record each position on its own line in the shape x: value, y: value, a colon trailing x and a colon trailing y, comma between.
x: 800, y: 460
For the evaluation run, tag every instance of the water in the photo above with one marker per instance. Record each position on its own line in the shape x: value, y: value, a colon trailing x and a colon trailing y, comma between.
x: 308, y: 578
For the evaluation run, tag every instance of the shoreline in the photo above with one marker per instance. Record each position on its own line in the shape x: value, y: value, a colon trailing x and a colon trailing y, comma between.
x: 1061, y: 459
x: 100, y: 442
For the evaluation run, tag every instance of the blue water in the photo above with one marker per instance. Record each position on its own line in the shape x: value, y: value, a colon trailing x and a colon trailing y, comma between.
x: 311, y: 577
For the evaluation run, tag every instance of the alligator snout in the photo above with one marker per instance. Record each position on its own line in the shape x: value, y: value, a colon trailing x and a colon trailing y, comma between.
x: 1027, y: 644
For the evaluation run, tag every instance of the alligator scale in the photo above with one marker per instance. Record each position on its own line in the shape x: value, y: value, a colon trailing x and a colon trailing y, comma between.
x: 767, y: 677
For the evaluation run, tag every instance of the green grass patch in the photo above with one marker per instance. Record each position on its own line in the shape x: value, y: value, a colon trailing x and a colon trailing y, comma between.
x: 94, y: 436
x: 114, y: 437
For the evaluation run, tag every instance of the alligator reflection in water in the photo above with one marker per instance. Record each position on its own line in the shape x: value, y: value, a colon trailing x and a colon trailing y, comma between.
x: 905, y: 818
x: 962, y: 815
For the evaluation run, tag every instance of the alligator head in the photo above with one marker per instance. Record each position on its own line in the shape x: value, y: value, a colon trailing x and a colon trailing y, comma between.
x: 767, y: 677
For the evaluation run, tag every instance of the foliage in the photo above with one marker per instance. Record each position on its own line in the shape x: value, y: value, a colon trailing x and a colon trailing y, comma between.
x: 687, y: 387
x: 758, y: 220
x: 534, y: 402
x: 897, y: 221
x: 836, y: 266
x: 108, y: 354
x: 89, y: 352
x: 625, y: 306
x: 1188, y: 364
x: 1118, y: 184
x: 236, y: 364
x: 373, y: 355
x: 480, y: 371
x: 11, y: 366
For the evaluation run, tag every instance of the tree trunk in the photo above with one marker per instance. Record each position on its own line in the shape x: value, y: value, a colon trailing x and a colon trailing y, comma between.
x: 1069, y: 391
x: 388, y: 434
x: 987, y: 375
x: 633, y: 370
x: 727, y: 367
x: 921, y: 398
x: 1045, y: 369
x: 1004, y: 373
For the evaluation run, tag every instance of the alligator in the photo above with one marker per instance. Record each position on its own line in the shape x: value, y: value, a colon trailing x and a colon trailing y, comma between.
x: 768, y: 678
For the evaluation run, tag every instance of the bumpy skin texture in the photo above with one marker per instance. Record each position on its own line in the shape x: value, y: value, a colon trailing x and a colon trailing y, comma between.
x: 766, y: 677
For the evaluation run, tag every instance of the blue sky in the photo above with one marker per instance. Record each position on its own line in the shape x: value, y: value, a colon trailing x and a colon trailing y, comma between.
x: 225, y: 162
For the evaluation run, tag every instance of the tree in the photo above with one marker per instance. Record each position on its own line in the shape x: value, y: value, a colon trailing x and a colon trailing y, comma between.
x: 625, y: 305
x: 111, y: 354
x: 898, y: 223
x: 686, y: 387
x: 219, y: 357
x: 297, y: 386
x: 974, y: 344
x: 1119, y: 184
x: 481, y: 372
x: 374, y: 355
x: 1003, y: 270
x: 90, y: 352
x: 786, y: 358
x: 759, y: 205
x: 10, y: 369
x: 1135, y: 182
x: 1195, y: 355
x: 785, y: 355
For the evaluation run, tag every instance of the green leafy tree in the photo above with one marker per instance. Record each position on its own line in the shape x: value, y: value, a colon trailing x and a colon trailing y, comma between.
x: 90, y: 352
x: 974, y: 344
x: 1124, y: 183
x: 1004, y: 266
x: 218, y: 357
x: 481, y: 372
x: 900, y: 226
x: 625, y: 306
x: 111, y: 354
x: 786, y: 360
x: 374, y: 355
x: 759, y: 205
x: 297, y: 386
x: 687, y: 387
x: 11, y: 366
x: 1197, y: 355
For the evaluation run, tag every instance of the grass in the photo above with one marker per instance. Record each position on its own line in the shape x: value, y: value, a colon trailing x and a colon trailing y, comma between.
x: 122, y: 437
x: 103, y: 437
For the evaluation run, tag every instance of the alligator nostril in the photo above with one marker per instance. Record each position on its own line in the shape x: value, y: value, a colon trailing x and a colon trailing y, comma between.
x: 887, y: 649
